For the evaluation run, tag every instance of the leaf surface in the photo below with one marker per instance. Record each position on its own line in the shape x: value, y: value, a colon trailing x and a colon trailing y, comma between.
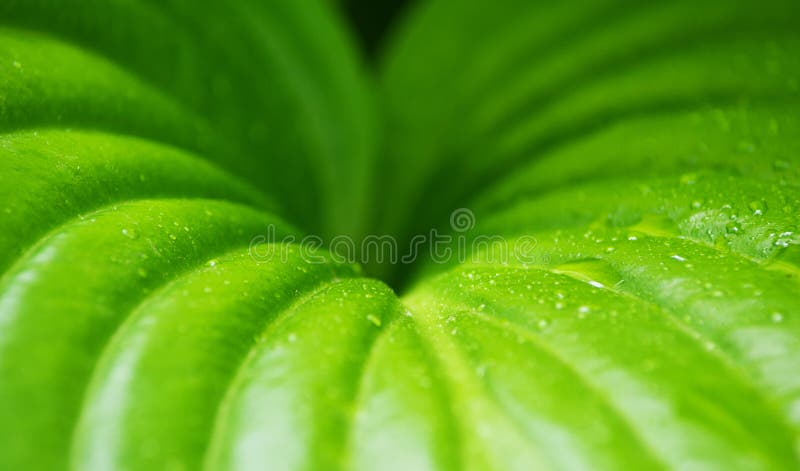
x: 628, y: 298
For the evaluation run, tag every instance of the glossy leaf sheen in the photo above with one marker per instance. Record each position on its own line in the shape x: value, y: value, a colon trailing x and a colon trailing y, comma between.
x: 644, y: 157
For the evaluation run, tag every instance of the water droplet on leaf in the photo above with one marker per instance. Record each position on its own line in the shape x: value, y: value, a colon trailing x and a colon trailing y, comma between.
x: 758, y: 207
x: 130, y: 233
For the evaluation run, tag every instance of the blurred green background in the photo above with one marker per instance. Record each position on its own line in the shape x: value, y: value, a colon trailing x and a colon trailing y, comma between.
x: 371, y: 20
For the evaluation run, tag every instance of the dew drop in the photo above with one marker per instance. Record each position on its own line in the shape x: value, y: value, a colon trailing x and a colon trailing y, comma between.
x: 130, y: 233
x: 374, y: 320
x: 543, y: 323
x: 785, y: 239
x: 622, y: 217
x: 758, y: 207
x: 777, y: 317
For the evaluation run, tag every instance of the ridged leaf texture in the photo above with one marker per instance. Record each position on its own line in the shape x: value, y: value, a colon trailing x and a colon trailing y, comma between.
x: 648, y: 154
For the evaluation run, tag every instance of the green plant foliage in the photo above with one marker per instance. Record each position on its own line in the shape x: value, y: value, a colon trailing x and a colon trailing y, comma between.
x: 270, y: 91
x: 644, y: 156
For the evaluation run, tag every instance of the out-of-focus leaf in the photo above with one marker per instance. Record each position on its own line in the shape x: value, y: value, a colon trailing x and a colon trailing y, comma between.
x: 270, y: 91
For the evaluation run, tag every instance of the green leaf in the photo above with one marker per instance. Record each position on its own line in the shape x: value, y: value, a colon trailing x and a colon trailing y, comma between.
x: 545, y: 76
x: 269, y: 91
x: 628, y: 298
